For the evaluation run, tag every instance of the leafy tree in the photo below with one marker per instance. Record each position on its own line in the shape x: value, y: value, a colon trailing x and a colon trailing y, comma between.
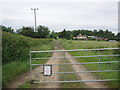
x: 53, y: 35
x: 75, y: 33
x: 118, y: 37
x: 26, y: 31
x: 7, y: 29
x: 101, y: 33
x: 43, y: 31
x: 65, y: 34
x: 106, y: 33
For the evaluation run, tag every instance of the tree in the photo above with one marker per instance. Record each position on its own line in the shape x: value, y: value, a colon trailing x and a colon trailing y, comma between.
x: 26, y: 31
x: 106, y: 33
x: 7, y: 29
x: 43, y: 31
x: 65, y: 34
x: 101, y: 33
x: 75, y: 33
x: 118, y: 37
x: 53, y: 35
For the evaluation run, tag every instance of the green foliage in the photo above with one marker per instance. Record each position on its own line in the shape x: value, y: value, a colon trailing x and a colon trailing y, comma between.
x: 53, y: 35
x: 43, y: 31
x: 117, y: 37
x: 6, y: 29
x: 26, y: 31
x: 14, y: 47
x: 100, y: 33
x: 11, y: 70
x: 64, y: 34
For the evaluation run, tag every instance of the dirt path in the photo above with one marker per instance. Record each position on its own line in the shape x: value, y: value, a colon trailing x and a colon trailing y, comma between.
x: 53, y: 77
x: 55, y: 68
x: 85, y: 76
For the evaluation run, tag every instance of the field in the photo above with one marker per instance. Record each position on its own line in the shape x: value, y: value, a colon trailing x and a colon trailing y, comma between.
x: 15, y: 54
x: 16, y: 59
x: 72, y: 44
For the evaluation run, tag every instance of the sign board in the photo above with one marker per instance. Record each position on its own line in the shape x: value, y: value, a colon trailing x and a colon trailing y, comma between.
x: 47, y: 70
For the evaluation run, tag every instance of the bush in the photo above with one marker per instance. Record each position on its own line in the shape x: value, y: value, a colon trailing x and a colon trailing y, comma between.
x: 14, y: 47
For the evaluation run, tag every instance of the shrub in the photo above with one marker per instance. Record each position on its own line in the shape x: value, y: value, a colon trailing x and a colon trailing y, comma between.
x: 14, y: 47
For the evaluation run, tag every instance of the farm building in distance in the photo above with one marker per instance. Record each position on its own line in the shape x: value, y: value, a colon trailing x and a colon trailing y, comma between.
x: 85, y: 37
x: 93, y: 37
x: 82, y: 37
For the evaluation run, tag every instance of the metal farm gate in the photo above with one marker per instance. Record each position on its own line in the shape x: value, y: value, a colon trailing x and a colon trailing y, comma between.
x: 103, y: 62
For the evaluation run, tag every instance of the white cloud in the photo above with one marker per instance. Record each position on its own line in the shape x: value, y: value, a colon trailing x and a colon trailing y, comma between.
x: 57, y: 16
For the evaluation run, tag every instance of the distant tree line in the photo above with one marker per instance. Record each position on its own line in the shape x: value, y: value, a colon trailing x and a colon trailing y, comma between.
x: 67, y: 34
x: 44, y: 32
x: 40, y: 32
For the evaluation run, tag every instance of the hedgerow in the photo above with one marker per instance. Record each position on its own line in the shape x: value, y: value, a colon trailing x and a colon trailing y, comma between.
x: 16, y: 47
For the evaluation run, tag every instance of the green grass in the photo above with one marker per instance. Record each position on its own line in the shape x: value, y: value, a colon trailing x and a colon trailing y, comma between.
x: 26, y: 85
x: 71, y: 44
x: 12, y: 68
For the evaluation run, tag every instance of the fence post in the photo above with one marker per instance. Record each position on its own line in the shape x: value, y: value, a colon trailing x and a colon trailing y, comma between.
x: 98, y: 64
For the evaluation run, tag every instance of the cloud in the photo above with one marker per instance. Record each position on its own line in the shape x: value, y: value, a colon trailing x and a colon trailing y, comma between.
x: 60, y: 15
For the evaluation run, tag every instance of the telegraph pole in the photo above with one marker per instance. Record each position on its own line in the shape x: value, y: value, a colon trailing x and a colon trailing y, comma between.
x: 35, y: 17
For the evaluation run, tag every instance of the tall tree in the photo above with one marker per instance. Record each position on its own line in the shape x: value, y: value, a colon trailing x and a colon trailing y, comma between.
x: 65, y: 34
x: 26, y: 31
x: 43, y: 31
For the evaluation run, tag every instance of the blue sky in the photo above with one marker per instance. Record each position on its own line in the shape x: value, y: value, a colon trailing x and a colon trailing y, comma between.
x: 60, y: 14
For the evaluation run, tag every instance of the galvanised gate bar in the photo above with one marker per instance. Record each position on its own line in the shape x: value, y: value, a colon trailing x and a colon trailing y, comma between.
x: 64, y: 64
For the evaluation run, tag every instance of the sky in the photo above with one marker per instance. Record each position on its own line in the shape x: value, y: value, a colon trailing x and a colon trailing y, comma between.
x: 61, y: 14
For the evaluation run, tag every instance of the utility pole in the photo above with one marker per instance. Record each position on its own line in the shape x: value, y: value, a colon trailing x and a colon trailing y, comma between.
x: 35, y: 17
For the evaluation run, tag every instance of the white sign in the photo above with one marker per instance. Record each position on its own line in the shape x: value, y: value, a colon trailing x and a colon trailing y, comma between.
x: 47, y: 70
